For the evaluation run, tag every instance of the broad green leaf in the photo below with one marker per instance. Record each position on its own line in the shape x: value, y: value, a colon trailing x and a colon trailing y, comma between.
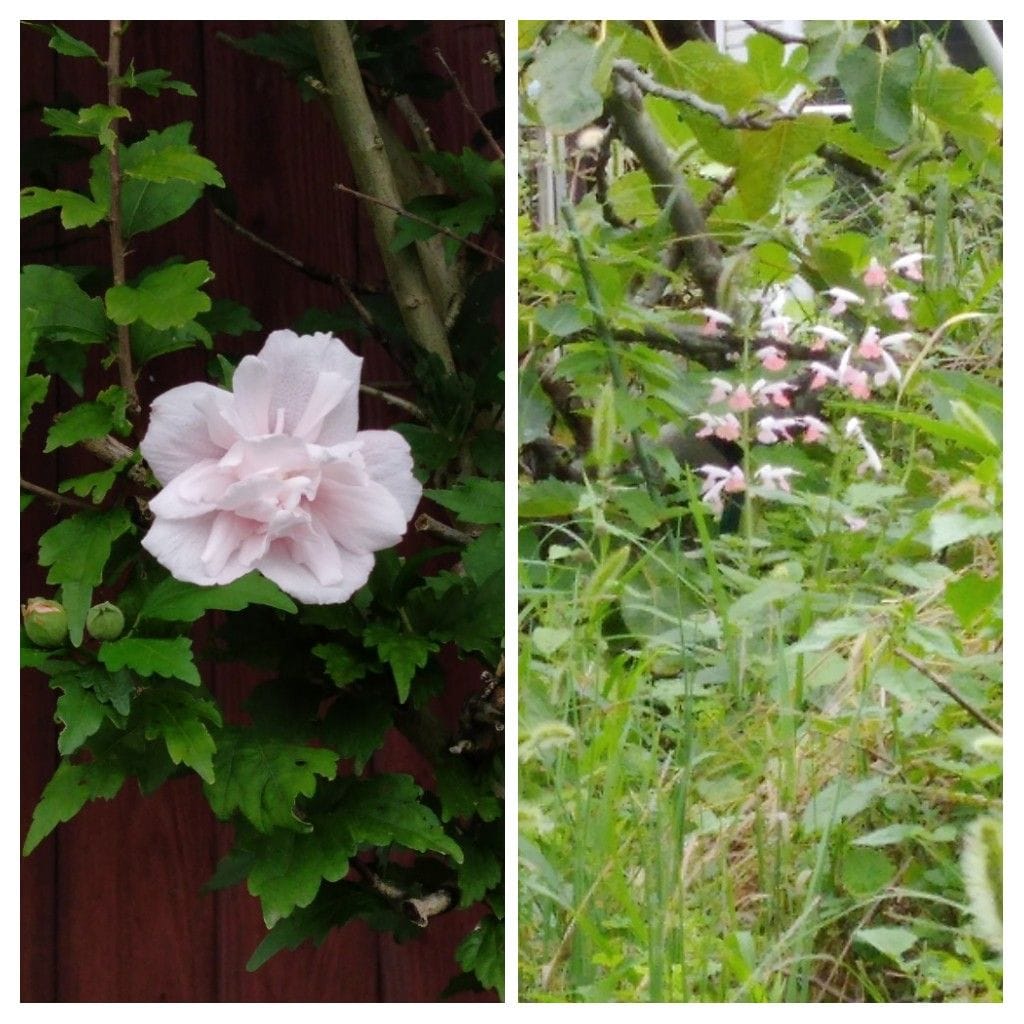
x: 766, y: 157
x: 403, y: 652
x: 548, y: 498
x: 355, y: 726
x: 972, y: 595
x: 66, y: 44
x: 76, y: 210
x: 948, y: 528
x: 865, y: 871
x: 823, y: 635
x: 175, y: 601
x: 548, y: 639
x: 464, y: 791
x: 90, y: 122
x: 90, y: 419
x: 77, y: 549
x: 33, y: 391
x: 62, y: 310
x: 879, y: 88
x: 148, y: 342
x: 227, y: 317
x: 839, y: 800
x: 889, y: 835
x: 80, y: 713
x: 827, y: 41
x: 482, y: 952
x: 262, y: 776
x: 715, y: 76
x: 566, y: 83
x: 93, y: 485
x: 484, y: 556
x: 474, y: 500
x: 170, y: 658
x: 176, y: 163
x: 66, y: 794
x: 179, y: 717
x: 153, y: 81
x: 289, y: 867
x: 113, y: 688
x: 77, y: 599
x: 776, y: 71
x: 564, y: 319
x: 893, y: 942
x: 165, y: 298
x: 342, y: 665
x: 480, y: 871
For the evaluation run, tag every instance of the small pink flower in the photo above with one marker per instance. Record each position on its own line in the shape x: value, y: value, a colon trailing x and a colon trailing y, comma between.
x: 721, y: 389
x: 843, y: 298
x: 856, y: 381
x: 910, y: 265
x: 728, y: 428
x: 771, y: 429
x: 275, y: 475
x: 854, y: 523
x: 776, y: 393
x: 714, y: 318
x: 740, y: 399
x: 823, y: 373
x: 825, y: 335
x: 875, y: 276
x: 772, y: 358
x: 776, y: 477
x: 869, y: 347
x: 778, y: 326
x: 717, y: 480
x: 891, y: 371
x: 814, y: 429
x: 897, y: 305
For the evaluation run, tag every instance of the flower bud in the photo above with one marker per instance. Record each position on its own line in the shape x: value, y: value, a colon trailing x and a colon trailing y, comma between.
x: 104, y: 621
x: 46, y: 622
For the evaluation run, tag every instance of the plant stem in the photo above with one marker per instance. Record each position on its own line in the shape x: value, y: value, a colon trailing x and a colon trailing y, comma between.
x: 57, y: 499
x: 484, y: 130
x: 373, y: 174
x: 124, y: 338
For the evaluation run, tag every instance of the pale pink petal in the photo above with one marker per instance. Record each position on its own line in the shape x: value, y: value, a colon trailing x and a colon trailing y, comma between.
x: 360, y: 518
x: 177, y: 544
x: 178, y: 437
x: 194, y: 492
x: 280, y: 565
x: 389, y: 462
x: 252, y: 387
x: 333, y: 398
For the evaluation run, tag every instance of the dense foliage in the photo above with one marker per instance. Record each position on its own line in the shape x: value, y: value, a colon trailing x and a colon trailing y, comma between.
x: 319, y: 838
x: 760, y: 759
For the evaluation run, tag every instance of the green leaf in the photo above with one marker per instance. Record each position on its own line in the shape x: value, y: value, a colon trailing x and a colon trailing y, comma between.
x: 355, y: 726
x: 178, y: 716
x: 227, y: 317
x: 76, y: 598
x: 464, y: 791
x: 262, y: 776
x: 76, y: 210
x: 90, y: 122
x: 146, y: 205
x: 170, y: 658
x: 342, y: 665
x: 866, y: 871
x: 176, y: 163
x: 766, y: 157
x: 839, y: 800
x: 569, y: 83
x: 889, y: 835
x: 972, y: 595
x: 482, y: 952
x: 153, y: 81
x: 564, y: 319
x: 78, y: 711
x: 62, y: 310
x: 33, y: 391
x: 66, y: 44
x: 289, y: 867
x: 148, y: 342
x: 893, y: 942
x: 480, y: 871
x: 474, y: 500
x: 404, y: 652
x: 113, y: 688
x: 484, y: 556
x: 948, y: 528
x: 827, y: 41
x: 548, y: 498
x: 176, y: 601
x: 93, y: 485
x: 165, y: 298
x: 66, y: 794
x: 77, y: 548
x: 879, y: 88
x: 90, y: 419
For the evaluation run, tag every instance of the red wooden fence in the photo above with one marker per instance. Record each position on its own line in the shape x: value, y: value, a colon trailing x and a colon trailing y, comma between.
x: 111, y: 905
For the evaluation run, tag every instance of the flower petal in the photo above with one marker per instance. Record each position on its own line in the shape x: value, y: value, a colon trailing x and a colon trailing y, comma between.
x: 361, y: 517
x: 178, y: 436
x: 294, y: 578
x: 177, y: 544
x: 389, y: 462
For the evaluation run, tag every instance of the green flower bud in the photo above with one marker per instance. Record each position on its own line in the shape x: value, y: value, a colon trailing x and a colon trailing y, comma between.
x: 46, y: 622
x: 104, y: 621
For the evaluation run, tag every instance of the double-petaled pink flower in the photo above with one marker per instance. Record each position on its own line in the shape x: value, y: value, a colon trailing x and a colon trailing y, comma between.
x: 276, y: 476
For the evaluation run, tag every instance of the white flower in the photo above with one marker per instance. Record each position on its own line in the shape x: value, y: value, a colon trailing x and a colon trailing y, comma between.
x: 843, y: 298
x: 718, y: 480
x: 872, y: 461
x: 276, y: 476
x: 713, y: 320
x: 776, y: 477
x: 910, y: 265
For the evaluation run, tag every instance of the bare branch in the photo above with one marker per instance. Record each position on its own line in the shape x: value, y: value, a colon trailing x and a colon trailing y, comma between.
x: 484, y: 130
x: 57, y: 499
x: 428, y: 524
x: 950, y: 691
x: 776, y: 33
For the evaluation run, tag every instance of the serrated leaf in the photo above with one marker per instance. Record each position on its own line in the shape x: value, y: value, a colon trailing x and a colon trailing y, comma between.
x: 62, y: 310
x: 90, y: 419
x: 77, y: 548
x: 76, y: 598
x: 176, y: 601
x: 153, y: 81
x: 176, y: 163
x: 170, y: 658
x: 228, y: 317
x: 342, y: 664
x: 403, y: 652
x: 166, y: 298
x: 66, y: 794
x: 548, y: 498
x: 484, y: 556
x: 113, y: 688
x: 66, y: 44
x: 463, y: 791
x: 355, y: 726
x: 866, y: 871
x: 474, y: 500
x: 261, y: 777
x: 90, y: 122
x: 480, y: 870
x: 179, y: 718
x: 33, y: 391
x: 93, y: 485
x: 76, y: 210
x: 80, y: 713
x: 482, y: 953
x: 879, y: 88
x: 148, y: 342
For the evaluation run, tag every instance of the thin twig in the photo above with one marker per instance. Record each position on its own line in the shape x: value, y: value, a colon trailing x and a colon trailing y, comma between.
x: 753, y: 121
x: 417, y: 123
x: 950, y: 692
x: 57, y: 499
x: 314, y: 273
x: 402, y: 212
x: 124, y: 338
x: 428, y: 524
x: 399, y: 403
x: 108, y: 449
x: 776, y: 33
x: 604, y: 152
x: 469, y: 106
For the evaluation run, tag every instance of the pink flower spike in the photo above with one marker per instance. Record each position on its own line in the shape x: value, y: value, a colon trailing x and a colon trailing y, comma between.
x: 778, y: 326
x: 772, y: 358
x: 823, y: 373
x: 721, y: 389
x: 825, y: 335
x: 857, y: 383
x: 875, y: 276
x: 728, y: 428
x: 897, y: 305
x: 776, y: 393
x: 910, y: 265
x: 869, y: 347
x: 736, y: 481
x: 714, y: 318
x: 814, y: 429
x: 275, y: 476
x: 740, y: 399
x: 843, y: 298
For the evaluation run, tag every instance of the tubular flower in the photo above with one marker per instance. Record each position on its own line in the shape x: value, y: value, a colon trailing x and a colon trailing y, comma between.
x: 910, y: 265
x: 778, y: 326
x: 775, y: 477
x: 871, y: 461
x: 713, y: 320
x: 773, y: 393
x: 771, y: 429
x: 897, y: 305
x: 718, y: 481
x: 869, y: 347
x: 843, y: 298
x: 727, y: 427
x: 276, y: 476
x: 814, y: 429
x: 772, y: 358
x: 825, y: 335
x: 823, y: 373
x: 875, y: 276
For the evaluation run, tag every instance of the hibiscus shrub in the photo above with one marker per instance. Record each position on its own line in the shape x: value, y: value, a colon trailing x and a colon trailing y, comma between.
x: 258, y: 496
